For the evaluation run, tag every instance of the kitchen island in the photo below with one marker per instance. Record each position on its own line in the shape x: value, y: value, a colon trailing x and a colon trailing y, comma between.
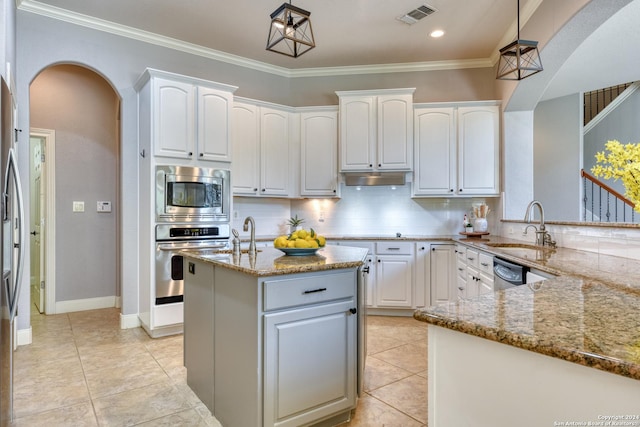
x: 273, y: 339
x: 565, y: 351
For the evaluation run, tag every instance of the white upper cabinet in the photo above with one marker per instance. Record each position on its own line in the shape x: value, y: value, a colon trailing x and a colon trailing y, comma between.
x: 435, y: 152
x: 376, y: 130
x: 245, y: 137
x: 319, y: 153
x: 456, y: 151
x: 264, y: 163
x: 173, y: 118
x: 478, y: 144
x: 189, y: 118
x: 275, y: 162
x: 214, y: 124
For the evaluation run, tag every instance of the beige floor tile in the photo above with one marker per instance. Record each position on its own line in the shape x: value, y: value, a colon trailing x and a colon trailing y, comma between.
x: 377, y: 343
x: 371, y: 412
x: 378, y: 373
x: 139, y: 405
x: 138, y: 371
x: 187, y: 418
x: 80, y: 415
x: 408, y: 395
x: 411, y: 357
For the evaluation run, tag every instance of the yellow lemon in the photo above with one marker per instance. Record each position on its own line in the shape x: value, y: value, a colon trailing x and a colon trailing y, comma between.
x: 302, y: 234
x: 313, y: 243
x: 294, y: 235
x: 301, y: 243
x: 291, y: 244
x: 321, y: 240
x: 280, y: 242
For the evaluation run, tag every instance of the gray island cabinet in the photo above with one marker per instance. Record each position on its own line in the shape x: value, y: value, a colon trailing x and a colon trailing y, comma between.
x: 274, y: 340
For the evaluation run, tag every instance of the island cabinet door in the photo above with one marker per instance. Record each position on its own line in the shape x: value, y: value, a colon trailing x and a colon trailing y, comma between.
x: 310, y: 363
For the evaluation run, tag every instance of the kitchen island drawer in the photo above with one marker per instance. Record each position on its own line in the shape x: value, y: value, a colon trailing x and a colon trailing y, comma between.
x: 394, y: 248
x: 485, y: 263
x: 306, y: 290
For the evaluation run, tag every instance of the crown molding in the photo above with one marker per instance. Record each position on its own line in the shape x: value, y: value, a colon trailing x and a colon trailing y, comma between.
x: 36, y: 7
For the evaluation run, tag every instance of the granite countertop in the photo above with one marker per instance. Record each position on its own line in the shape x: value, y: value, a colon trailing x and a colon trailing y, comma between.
x: 589, y: 314
x: 272, y: 262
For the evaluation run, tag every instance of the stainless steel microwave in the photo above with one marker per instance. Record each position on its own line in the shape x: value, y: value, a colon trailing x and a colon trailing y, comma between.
x: 192, y: 194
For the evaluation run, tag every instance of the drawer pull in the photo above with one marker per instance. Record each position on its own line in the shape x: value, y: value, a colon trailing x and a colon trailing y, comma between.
x: 470, y: 258
x: 353, y: 310
x: 484, y: 264
x: 393, y: 249
x: 315, y: 290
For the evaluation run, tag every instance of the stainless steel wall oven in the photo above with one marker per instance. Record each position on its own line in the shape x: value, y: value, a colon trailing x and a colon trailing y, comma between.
x: 192, y: 194
x: 172, y: 238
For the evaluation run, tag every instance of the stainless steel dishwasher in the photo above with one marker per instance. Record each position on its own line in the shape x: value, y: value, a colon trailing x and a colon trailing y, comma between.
x: 507, y: 274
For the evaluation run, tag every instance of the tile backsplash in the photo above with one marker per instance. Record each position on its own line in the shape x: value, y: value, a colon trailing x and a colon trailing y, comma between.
x: 382, y: 211
x: 368, y: 211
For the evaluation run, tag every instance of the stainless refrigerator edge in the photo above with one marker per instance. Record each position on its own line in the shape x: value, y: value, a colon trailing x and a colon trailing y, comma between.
x: 11, y: 251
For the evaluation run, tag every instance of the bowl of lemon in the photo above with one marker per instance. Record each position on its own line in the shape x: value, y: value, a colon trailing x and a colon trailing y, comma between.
x: 301, y: 242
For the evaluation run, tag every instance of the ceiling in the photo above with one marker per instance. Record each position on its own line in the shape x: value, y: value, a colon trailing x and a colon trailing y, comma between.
x: 348, y: 33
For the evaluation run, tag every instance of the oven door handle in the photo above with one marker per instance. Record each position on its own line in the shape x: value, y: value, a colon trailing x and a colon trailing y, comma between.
x: 173, y: 247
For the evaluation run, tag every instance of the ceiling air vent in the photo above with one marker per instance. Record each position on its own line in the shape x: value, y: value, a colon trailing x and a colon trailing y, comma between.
x: 417, y: 14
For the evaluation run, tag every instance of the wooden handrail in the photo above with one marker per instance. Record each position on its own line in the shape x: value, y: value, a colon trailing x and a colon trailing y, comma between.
x: 606, y: 188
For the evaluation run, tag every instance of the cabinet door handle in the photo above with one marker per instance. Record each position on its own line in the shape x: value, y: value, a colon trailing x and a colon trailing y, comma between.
x: 451, y: 190
x: 201, y: 154
x: 353, y: 310
x: 255, y: 189
x: 190, y: 153
x: 313, y: 291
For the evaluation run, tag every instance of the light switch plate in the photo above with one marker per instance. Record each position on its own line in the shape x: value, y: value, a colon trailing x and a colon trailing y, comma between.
x: 78, y: 206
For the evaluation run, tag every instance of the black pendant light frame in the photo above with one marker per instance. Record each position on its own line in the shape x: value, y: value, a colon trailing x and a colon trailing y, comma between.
x: 519, y: 59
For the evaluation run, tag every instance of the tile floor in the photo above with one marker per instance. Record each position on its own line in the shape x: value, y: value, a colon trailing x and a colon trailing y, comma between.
x: 83, y: 370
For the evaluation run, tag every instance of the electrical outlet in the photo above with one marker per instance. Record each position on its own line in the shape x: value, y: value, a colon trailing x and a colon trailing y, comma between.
x: 78, y: 206
x: 321, y: 216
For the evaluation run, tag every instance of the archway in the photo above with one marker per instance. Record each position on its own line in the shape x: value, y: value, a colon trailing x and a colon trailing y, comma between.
x: 83, y: 110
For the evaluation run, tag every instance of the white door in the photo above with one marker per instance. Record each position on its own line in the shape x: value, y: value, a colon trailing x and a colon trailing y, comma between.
x: 37, y: 220
x: 393, y: 281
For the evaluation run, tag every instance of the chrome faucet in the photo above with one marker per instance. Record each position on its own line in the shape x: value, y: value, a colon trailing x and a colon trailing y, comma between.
x: 252, y: 243
x: 542, y: 236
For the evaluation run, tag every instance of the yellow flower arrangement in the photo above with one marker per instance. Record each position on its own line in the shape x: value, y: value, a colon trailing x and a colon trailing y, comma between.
x: 622, y: 162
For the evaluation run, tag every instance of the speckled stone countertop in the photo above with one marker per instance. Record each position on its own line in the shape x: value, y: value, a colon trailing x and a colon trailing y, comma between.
x: 272, y: 262
x: 589, y: 315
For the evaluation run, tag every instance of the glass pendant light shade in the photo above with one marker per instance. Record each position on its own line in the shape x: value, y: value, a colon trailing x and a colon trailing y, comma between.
x: 290, y: 32
x: 519, y: 59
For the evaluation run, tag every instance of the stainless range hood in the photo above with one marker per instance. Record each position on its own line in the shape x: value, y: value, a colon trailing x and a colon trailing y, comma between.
x: 374, y: 178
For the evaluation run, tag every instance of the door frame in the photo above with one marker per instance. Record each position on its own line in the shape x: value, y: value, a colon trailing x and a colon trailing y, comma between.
x: 49, y: 137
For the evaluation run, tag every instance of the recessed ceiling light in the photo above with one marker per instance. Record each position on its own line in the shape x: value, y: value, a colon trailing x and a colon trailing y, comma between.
x: 437, y: 33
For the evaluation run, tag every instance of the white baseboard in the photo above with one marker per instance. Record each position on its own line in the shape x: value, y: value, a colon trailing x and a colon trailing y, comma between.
x: 85, y: 304
x: 24, y: 336
x: 129, y: 321
x: 119, y: 302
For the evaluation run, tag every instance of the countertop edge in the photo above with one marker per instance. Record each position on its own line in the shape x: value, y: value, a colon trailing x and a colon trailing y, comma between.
x: 551, y: 349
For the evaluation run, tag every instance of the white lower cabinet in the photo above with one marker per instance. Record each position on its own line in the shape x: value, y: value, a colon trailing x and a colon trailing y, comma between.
x: 314, y: 345
x: 394, y: 274
x: 474, y: 272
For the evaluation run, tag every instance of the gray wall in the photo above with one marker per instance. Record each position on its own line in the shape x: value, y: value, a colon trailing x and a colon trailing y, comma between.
x: 83, y: 110
x: 7, y: 35
x: 557, y: 157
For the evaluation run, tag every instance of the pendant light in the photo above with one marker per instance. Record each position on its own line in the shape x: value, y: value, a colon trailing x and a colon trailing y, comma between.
x: 290, y: 32
x: 519, y: 59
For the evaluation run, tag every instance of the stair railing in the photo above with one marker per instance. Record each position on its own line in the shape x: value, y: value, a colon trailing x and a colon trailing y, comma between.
x: 598, y: 196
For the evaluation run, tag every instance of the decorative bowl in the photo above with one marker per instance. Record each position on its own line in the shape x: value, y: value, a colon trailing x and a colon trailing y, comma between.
x: 299, y: 251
